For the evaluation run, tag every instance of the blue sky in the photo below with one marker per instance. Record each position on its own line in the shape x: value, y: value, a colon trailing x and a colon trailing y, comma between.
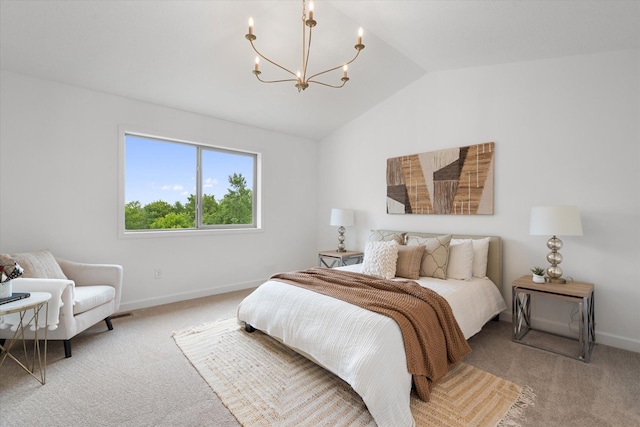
x: 159, y: 170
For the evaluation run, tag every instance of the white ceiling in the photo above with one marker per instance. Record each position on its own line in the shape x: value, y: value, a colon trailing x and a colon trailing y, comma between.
x: 192, y: 55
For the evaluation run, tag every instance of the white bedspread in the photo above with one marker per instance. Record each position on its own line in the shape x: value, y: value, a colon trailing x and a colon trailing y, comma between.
x: 362, y: 347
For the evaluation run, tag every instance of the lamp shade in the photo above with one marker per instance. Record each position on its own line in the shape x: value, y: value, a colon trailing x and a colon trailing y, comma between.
x: 555, y: 221
x: 342, y: 217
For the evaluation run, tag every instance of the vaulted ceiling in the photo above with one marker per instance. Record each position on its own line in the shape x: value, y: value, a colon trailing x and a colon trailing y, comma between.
x: 193, y: 56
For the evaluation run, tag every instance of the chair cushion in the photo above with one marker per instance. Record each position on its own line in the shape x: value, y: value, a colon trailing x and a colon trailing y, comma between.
x: 88, y: 297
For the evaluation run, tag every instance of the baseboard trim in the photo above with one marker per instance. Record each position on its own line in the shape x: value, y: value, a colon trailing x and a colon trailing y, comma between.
x: 605, y: 338
x: 167, y: 299
x: 617, y: 341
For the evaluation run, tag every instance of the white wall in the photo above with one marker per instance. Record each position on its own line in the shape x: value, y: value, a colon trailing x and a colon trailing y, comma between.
x: 59, y: 187
x: 566, y: 132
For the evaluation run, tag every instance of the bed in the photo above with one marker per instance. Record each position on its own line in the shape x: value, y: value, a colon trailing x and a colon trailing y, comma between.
x: 364, y: 348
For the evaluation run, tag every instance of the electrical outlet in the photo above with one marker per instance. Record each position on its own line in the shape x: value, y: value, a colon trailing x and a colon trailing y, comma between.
x: 157, y: 274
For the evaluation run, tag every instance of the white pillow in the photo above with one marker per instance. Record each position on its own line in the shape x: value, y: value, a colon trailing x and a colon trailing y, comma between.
x: 460, y: 260
x: 380, y: 259
x: 480, y: 255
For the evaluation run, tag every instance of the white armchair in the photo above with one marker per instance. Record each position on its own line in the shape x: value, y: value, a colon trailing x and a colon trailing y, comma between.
x: 90, y: 294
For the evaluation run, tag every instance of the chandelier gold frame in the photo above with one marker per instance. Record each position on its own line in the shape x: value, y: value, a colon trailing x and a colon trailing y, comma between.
x: 300, y: 78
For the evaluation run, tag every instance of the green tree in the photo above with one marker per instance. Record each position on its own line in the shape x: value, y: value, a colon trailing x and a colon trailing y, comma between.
x: 190, y: 208
x: 210, y: 209
x: 178, y: 207
x: 133, y: 216
x: 236, y: 206
x: 187, y: 211
x: 156, y: 210
x: 173, y: 220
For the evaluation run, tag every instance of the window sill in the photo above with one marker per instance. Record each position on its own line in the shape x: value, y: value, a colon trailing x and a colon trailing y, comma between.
x: 156, y: 234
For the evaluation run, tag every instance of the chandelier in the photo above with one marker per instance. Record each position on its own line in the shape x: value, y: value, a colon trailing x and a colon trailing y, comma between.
x: 301, y: 79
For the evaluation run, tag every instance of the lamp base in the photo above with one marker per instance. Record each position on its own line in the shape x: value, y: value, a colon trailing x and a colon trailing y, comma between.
x: 554, y: 272
x: 341, y: 247
x: 558, y: 280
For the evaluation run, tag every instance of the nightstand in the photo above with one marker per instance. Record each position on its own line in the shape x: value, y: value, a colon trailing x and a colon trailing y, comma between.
x: 340, y: 258
x: 581, y: 293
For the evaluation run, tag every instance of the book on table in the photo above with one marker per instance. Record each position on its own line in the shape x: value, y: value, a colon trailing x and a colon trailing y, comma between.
x: 15, y: 297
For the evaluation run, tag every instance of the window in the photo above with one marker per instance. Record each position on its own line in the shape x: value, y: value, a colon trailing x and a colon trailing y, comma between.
x: 170, y: 185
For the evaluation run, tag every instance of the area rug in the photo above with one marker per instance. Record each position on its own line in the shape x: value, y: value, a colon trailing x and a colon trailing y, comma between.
x: 265, y: 383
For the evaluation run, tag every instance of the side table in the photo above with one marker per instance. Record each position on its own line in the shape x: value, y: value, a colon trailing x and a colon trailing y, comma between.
x: 581, y: 293
x: 341, y: 258
x: 23, y: 307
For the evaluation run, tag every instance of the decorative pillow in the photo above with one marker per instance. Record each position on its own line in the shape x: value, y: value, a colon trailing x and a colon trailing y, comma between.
x: 386, y: 236
x: 380, y: 259
x: 436, y: 255
x: 409, y: 260
x: 480, y: 255
x: 460, y: 260
x: 40, y: 264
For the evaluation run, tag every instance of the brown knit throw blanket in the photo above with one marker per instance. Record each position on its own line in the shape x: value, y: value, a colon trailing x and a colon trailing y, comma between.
x: 432, y: 338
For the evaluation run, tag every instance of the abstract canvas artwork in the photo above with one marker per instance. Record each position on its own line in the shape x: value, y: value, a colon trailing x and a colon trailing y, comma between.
x: 456, y: 181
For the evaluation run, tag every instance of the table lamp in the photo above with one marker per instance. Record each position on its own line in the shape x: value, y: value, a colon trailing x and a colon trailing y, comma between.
x: 341, y: 218
x: 555, y: 221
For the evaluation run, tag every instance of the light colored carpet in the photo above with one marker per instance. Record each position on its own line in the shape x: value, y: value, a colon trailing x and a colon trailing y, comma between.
x: 136, y: 376
x: 265, y: 383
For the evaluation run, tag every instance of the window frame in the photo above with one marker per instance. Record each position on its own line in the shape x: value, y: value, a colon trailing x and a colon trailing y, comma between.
x: 200, y: 228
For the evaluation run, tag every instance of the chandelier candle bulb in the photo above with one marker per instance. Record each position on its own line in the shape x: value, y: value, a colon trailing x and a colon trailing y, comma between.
x: 310, y: 10
x: 250, y: 26
x: 257, y: 63
x: 360, y: 34
x: 344, y: 74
